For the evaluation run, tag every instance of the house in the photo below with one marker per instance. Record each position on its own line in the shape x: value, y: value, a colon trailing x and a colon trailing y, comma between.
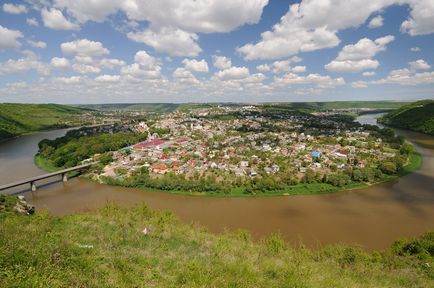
x: 244, y: 163
x: 315, y: 154
x: 160, y: 169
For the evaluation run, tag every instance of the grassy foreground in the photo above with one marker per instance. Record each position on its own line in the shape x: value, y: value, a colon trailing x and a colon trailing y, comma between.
x: 109, y: 249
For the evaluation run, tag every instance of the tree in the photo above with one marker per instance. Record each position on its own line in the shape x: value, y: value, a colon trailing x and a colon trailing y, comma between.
x: 388, y: 167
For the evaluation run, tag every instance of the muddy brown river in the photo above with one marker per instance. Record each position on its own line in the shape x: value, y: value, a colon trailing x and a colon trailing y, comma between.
x: 372, y: 218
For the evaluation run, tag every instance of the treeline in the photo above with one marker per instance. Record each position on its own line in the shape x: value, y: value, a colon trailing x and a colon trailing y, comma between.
x: 68, y: 151
x: 266, y: 183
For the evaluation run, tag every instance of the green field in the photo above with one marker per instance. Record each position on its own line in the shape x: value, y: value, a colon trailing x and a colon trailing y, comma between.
x: 109, y: 249
x: 417, y: 116
x: 17, y: 119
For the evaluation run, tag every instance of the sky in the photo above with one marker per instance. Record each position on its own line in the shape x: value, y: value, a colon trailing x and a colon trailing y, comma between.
x: 147, y: 51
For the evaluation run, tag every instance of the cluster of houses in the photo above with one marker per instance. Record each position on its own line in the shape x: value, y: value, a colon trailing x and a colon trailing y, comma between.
x: 212, y: 141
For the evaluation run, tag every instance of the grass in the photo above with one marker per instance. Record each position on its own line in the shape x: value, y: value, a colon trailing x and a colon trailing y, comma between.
x: 17, y: 119
x: 108, y: 249
x: 45, y: 164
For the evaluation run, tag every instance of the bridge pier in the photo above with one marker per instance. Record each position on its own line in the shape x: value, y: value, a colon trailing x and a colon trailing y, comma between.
x: 33, y: 186
x: 64, y: 177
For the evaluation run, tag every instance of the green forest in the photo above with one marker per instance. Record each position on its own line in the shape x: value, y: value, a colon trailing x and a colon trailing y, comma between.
x: 417, y: 116
x: 108, y: 248
x: 17, y: 119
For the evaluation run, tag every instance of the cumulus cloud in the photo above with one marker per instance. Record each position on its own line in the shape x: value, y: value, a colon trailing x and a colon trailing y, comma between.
x: 319, y: 81
x: 359, y: 84
x: 406, y: 77
x: 85, y: 69
x: 37, y: 44
x: 194, y: 65
x: 54, y: 19
x: 84, y: 47
x: 263, y: 67
x: 9, y: 38
x: 32, y: 22
x: 144, y: 67
x: 59, y: 63
x: 376, y: 22
x: 415, y: 49
x: 68, y: 80
x: 111, y: 63
x: 29, y: 62
x: 368, y: 73
x: 357, y: 57
x: 185, y: 76
x: 314, y: 24
x: 170, y: 21
x: 173, y: 41
x: 233, y: 73
x: 108, y: 78
x: 14, y: 8
x: 419, y: 65
x: 221, y: 62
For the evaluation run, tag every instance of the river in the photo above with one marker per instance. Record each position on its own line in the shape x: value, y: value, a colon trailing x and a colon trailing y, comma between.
x: 372, y: 217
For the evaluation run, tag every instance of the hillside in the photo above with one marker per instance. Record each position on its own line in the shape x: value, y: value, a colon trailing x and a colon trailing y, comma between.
x: 417, y: 116
x: 17, y: 119
x: 109, y: 249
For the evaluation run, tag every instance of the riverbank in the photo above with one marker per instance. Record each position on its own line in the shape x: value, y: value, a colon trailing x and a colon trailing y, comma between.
x: 414, y: 163
x: 142, y: 247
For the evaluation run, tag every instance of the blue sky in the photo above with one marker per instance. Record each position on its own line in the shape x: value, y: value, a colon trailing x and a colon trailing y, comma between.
x: 111, y: 51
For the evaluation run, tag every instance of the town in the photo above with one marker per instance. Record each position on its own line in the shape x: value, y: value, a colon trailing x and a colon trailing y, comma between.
x: 236, y: 145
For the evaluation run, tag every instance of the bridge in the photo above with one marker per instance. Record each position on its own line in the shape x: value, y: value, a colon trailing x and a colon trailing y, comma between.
x: 32, y: 180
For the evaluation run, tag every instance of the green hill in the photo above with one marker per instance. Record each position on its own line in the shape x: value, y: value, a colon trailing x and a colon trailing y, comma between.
x: 17, y: 119
x: 417, y: 116
x: 109, y: 249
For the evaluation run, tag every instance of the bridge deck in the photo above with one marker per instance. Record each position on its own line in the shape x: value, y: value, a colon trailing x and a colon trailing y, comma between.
x: 44, y: 176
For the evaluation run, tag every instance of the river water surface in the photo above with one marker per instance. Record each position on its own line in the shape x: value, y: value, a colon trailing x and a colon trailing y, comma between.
x: 372, y: 217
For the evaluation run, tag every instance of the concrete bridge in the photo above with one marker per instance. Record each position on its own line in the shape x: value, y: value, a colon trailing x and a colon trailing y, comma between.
x: 32, y: 180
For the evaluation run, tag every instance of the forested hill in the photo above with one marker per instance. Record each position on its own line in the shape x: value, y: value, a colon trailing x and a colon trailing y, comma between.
x: 417, y: 116
x: 16, y: 119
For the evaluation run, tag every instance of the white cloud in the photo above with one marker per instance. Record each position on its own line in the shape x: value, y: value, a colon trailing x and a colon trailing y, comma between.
x: 32, y: 22
x: 173, y: 24
x: 69, y: 80
x: 173, y: 41
x: 85, y: 69
x: 54, y: 19
x: 314, y: 24
x: 415, y: 49
x: 421, y: 20
x: 376, y: 22
x: 14, y: 8
x: 406, y: 77
x: 298, y: 69
x: 59, y: 63
x: 37, y: 44
x: 419, y: 65
x: 137, y: 71
x: 84, y: 47
x: 357, y: 57
x: 263, y: 68
x: 185, y: 76
x: 108, y: 78
x: 195, y: 66
x: 111, y: 63
x: 145, y: 60
x: 9, y: 38
x: 368, y: 73
x: 29, y: 62
x: 359, y: 84
x: 319, y: 81
x: 221, y: 62
x: 233, y: 73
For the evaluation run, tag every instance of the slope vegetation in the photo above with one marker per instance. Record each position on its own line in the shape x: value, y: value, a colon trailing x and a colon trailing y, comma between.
x: 417, y: 116
x: 110, y: 249
x: 16, y: 119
